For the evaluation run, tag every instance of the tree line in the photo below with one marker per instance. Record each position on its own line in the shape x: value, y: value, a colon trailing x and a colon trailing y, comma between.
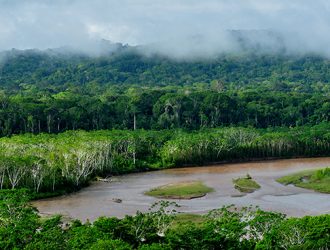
x: 32, y: 111
x: 67, y: 161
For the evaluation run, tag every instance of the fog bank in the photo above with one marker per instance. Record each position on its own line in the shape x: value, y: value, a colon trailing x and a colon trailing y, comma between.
x: 178, y: 28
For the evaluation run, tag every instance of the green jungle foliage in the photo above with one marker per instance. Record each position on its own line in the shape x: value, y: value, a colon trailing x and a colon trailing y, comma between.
x: 152, y: 113
x: 224, y: 228
x: 51, y: 92
x: 49, y: 162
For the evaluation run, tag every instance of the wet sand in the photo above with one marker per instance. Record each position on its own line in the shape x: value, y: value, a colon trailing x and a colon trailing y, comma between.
x: 97, y: 199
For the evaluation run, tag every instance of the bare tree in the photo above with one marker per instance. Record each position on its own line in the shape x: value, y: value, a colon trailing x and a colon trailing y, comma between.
x: 3, y: 170
x: 15, y: 171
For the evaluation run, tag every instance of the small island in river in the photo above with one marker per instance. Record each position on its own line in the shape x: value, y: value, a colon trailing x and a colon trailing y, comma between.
x: 183, y: 190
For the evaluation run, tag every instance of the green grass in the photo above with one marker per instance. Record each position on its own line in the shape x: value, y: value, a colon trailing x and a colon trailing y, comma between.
x: 187, y: 218
x: 246, y: 184
x: 318, y: 180
x: 182, y: 190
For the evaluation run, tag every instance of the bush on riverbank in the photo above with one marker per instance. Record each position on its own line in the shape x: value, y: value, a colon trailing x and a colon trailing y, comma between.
x: 67, y: 161
x: 225, y: 228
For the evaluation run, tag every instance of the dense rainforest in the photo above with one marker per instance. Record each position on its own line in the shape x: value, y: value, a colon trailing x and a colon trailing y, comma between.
x: 67, y: 118
x: 46, y: 91
x: 152, y: 112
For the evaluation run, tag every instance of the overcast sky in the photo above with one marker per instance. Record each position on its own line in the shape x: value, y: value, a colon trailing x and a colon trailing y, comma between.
x: 305, y: 24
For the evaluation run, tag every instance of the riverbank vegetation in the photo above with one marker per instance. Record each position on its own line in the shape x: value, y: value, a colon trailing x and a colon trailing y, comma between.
x: 224, y: 228
x: 246, y: 184
x: 184, y: 190
x: 67, y: 161
x: 65, y: 119
x: 318, y: 180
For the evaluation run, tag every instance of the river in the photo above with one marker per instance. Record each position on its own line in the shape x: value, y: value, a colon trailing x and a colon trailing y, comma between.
x: 98, y: 199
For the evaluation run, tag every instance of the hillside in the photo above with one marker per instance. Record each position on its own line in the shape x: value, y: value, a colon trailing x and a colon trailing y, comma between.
x: 48, y: 91
x: 121, y: 64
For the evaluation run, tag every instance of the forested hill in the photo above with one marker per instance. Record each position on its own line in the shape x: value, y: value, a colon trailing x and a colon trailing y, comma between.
x: 126, y: 65
x: 57, y: 90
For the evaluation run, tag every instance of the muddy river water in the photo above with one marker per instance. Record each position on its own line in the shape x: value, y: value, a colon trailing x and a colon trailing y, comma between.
x: 98, y: 199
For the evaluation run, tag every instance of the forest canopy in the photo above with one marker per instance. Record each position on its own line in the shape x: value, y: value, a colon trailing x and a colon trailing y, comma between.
x: 46, y: 91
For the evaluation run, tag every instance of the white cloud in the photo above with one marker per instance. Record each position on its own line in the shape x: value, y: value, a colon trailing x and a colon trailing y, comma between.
x: 172, y: 24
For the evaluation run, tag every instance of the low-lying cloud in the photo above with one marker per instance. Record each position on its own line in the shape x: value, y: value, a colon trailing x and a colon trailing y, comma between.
x: 180, y: 28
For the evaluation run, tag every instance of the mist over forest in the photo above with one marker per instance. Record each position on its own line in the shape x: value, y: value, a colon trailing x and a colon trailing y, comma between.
x: 179, y: 29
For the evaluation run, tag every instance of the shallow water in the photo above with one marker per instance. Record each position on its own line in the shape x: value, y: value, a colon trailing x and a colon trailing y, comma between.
x: 97, y: 199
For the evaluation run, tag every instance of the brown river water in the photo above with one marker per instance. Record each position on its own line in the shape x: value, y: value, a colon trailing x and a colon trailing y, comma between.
x: 97, y: 199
